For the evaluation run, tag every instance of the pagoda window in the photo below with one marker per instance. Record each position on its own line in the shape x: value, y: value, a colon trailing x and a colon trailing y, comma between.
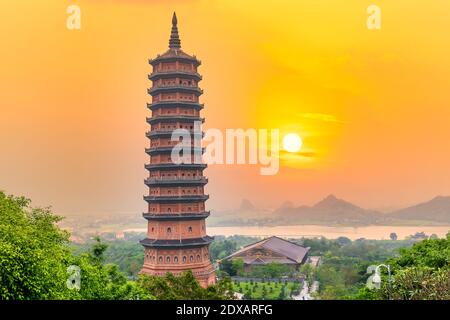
x: 169, y: 230
x: 167, y: 259
x: 198, y: 258
x: 190, y: 229
x: 191, y: 258
x: 160, y: 259
x: 175, y: 259
x: 184, y: 259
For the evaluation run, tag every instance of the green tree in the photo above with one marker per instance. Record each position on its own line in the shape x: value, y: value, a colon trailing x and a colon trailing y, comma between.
x: 104, y: 281
x: 421, y: 272
x: 433, y: 253
x: 232, y: 267
x: 419, y: 283
x: 33, y: 252
x: 343, y: 241
x: 308, y: 271
x: 185, y: 287
x: 222, y: 248
x: 271, y: 270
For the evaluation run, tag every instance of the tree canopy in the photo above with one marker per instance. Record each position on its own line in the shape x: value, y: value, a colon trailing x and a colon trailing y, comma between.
x: 36, y: 262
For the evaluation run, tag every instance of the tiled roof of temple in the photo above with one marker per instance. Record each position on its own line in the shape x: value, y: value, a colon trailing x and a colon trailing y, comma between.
x: 286, y: 248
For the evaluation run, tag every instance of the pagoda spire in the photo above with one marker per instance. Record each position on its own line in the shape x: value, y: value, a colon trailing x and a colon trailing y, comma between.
x: 174, y: 42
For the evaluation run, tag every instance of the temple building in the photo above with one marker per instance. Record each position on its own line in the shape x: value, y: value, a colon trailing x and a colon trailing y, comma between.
x: 270, y: 250
x: 176, y: 235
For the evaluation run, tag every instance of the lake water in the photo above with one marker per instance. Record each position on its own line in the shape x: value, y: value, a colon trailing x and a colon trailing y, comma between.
x: 312, y: 231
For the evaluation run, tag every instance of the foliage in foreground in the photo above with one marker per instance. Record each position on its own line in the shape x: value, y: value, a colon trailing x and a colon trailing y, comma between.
x: 420, y: 269
x: 421, y: 272
x: 185, y: 287
x: 418, y: 273
x: 266, y: 290
x: 33, y: 252
x: 35, y: 255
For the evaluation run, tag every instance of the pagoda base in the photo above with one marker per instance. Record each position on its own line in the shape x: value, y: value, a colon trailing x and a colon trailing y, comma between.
x: 204, y: 273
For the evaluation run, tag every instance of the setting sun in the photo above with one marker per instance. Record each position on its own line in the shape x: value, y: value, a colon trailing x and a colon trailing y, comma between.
x: 292, y: 142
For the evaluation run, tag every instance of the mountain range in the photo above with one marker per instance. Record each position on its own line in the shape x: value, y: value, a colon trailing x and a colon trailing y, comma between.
x: 334, y: 211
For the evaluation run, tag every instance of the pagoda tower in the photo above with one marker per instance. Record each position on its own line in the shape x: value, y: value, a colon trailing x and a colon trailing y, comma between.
x: 176, y: 235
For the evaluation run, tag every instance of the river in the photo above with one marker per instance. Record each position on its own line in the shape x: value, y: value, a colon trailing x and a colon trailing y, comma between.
x: 312, y: 231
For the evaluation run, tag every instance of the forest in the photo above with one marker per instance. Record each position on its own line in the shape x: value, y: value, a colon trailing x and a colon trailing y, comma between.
x: 36, y: 257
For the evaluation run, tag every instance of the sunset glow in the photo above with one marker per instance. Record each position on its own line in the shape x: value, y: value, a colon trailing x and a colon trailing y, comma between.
x: 292, y: 142
x: 371, y: 106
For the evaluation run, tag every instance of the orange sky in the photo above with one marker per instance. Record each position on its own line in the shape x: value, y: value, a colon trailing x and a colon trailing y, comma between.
x: 372, y: 106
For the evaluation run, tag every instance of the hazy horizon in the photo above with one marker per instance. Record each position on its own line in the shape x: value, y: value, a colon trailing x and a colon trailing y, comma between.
x: 236, y: 207
x: 370, y: 105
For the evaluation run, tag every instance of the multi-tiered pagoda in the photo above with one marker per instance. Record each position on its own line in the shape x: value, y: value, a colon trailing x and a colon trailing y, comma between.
x: 176, y: 236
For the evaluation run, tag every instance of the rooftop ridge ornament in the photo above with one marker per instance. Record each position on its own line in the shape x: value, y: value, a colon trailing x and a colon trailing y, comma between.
x: 174, y: 42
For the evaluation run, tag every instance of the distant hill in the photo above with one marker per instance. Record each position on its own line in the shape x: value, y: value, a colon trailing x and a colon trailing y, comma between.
x: 437, y: 209
x: 334, y: 211
x: 330, y: 209
x: 246, y: 205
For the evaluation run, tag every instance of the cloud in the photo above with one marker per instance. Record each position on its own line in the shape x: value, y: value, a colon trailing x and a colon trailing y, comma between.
x: 296, y: 155
x: 321, y: 117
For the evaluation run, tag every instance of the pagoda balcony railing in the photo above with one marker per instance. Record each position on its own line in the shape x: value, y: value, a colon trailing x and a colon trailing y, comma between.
x: 170, y: 162
x: 176, y: 178
x: 193, y: 197
x: 176, y: 181
x: 169, y: 131
x: 171, y: 165
x: 174, y: 87
x: 182, y: 102
x: 170, y: 148
x: 174, y: 118
x: 205, y: 240
x: 174, y: 57
x: 188, y: 73
x: 176, y: 215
